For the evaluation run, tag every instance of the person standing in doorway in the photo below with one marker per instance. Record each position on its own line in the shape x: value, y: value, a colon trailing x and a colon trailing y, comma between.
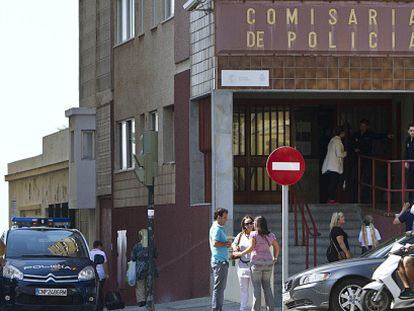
x: 241, y: 242
x: 409, y: 155
x: 101, y: 269
x: 362, y: 145
x: 219, y: 257
x: 333, y: 165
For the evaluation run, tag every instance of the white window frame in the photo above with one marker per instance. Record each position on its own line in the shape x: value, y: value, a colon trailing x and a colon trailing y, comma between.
x: 168, y: 9
x: 154, y: 13
x: 141, y: 26
x: 154, y: 121
x: 126, y: 144
x: 125, y: 26
x: 90, y: 156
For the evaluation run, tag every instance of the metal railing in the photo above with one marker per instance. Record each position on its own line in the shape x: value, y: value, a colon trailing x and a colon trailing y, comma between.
x: 371, y: 183
x: 299, y: 206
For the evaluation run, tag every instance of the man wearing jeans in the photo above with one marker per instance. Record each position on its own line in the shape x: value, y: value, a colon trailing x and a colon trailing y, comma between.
x: 219, y: 257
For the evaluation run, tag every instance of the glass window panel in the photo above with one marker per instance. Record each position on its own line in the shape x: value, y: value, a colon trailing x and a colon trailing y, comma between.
x: 252, y: 134
x: 281, y: 129
x: 259, y: 133
x: 242, y: 128
x: 253, y: 176
x: 267, y: 144
x: 287, y: 127
x: 267, y: 183
x: 236, y: 137
x: 274, y: 130
x: 242, y: 179
x: 260, y: 179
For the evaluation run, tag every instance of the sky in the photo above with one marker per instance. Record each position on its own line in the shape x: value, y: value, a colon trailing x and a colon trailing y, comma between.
x: 38, y: 78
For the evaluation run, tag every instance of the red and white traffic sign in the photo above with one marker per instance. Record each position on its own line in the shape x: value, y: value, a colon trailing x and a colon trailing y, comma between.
x: 285, y: 166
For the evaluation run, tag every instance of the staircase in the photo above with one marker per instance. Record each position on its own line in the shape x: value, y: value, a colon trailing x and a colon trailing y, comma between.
x: 322, y: 215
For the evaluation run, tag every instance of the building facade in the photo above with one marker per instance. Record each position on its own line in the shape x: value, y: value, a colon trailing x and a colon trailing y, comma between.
x: 286, y: 73
x: 38, y: 186
x: 135, y: 71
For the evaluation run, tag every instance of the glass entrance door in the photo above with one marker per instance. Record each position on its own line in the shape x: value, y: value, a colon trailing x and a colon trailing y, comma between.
x: 258, y: 128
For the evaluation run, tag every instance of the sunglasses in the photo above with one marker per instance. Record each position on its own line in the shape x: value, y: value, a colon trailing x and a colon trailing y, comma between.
x: 248, y: 223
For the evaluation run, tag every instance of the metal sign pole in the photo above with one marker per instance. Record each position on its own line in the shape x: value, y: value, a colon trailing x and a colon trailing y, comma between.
x: 151, y: 273
x: 285, y: 237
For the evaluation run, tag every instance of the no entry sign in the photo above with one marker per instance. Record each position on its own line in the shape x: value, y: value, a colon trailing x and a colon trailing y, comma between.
x: 285, y: 166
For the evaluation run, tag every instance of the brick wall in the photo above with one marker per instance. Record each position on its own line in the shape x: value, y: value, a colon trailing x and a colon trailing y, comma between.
x: 103, y: 150
x: 202, y: 53
x: 328, y: 72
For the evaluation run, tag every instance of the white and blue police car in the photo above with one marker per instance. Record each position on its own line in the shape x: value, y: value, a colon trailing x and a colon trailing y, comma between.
x: 46, y: 266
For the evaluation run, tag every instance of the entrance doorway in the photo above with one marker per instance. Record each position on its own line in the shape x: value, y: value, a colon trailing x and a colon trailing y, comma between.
x: 259, y: 126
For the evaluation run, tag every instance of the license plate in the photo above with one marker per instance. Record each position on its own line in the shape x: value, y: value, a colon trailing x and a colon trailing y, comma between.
x: 286, y: 296
x: 61, y: 292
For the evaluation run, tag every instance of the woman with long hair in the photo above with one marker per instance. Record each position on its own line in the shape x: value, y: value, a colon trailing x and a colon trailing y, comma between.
x: 369, y: 236
x: 261, y: 262
x: 240, y: 243
x: 339, y: 247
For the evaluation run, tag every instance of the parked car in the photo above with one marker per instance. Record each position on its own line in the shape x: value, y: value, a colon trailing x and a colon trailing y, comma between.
x: 337, y: 286
x: 47, y: 268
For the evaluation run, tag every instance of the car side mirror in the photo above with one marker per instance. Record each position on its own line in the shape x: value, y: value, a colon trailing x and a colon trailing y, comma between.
x: 98, y: 259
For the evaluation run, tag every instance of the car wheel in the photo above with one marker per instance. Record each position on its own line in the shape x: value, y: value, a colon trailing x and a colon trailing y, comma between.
x: 346, y: 295
x: 383, y: 302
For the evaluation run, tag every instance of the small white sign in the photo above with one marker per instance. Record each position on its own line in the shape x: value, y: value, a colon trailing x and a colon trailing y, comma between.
x: 286, y: 166
x: 151, y: 213
x: 245, y: 78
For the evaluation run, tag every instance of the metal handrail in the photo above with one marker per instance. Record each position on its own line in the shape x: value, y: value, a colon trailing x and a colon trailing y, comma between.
x: 300, y: 206
x: 388, y: 189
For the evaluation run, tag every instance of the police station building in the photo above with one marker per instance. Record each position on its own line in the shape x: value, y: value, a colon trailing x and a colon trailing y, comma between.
x: 288, y: 73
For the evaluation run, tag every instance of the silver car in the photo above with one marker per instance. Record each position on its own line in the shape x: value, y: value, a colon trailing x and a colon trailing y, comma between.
x: 337, y: 286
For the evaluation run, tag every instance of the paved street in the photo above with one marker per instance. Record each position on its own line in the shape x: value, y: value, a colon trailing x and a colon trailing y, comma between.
x: 198, y: 304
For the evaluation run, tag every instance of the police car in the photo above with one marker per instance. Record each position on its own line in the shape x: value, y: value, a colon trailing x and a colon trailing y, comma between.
x: 46, y: 266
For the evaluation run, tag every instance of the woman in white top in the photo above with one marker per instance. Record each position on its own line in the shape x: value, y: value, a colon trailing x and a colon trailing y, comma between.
x: 240, y: 243
x: 369, y: 236
x: 333, y: 165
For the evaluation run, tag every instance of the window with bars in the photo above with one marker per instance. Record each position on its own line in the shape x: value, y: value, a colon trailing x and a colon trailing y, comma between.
x: 258, y: 129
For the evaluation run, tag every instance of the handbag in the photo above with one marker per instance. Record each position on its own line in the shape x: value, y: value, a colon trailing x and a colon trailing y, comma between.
x: 232, y: 256
x: 332, y: 253
x: 131, y: 274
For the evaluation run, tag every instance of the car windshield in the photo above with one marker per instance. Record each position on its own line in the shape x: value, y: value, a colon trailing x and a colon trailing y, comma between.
x: 45, y: 242
x: 384, y: 248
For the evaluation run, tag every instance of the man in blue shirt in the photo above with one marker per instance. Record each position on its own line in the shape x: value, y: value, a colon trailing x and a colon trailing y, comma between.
x: 219, y: 257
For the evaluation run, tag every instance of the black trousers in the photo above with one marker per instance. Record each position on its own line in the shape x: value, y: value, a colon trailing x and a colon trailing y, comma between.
x: 410, y: 185
x: 100, y: 302
x: 332, y: 186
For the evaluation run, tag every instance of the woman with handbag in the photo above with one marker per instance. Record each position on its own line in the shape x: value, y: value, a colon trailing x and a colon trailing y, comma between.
x: 241, y: 242
x: 261, y: 262
x: 339, y: 247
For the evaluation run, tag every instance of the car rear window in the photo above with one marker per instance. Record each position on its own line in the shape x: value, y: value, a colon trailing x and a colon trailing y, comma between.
x: 384, y: 248
x: 45, y: 242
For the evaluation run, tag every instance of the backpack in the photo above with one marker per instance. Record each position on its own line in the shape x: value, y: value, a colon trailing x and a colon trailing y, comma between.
x: 113, y: 301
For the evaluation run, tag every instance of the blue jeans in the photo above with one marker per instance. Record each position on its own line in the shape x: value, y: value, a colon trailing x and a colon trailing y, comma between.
x: 261, y: 278
x: 220, y: 271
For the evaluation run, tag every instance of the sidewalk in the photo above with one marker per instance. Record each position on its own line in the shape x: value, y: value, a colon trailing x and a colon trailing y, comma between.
x: 197, y: 304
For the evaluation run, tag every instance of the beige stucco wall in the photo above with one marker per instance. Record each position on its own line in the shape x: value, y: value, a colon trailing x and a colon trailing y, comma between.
x: 34, y: 193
